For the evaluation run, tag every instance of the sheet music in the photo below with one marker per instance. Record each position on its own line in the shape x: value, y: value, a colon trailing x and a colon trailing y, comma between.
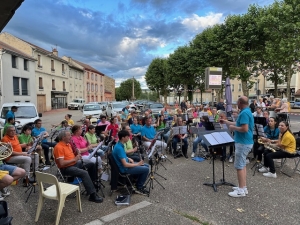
x: 260, y: 130
x: 95, y: 149
x: 211, y: 139
x: 219, y: 137
x: 201, y: 114
x: 227, y: 137
x: 35, y: 143
x: 179, y: 130
x: 196, y: 130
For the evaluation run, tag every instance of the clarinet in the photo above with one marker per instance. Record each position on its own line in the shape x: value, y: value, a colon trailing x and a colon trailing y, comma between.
x: 76, y: 151
x: 136, y: 144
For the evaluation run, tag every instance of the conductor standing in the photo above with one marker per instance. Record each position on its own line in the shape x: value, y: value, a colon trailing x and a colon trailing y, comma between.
x: 243, y: 137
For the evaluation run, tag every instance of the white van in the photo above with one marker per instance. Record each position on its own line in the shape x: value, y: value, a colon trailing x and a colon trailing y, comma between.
x: 77, y: 103
x: 26, y: 113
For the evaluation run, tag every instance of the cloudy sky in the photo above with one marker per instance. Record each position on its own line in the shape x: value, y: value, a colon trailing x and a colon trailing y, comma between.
x: 119, y: 38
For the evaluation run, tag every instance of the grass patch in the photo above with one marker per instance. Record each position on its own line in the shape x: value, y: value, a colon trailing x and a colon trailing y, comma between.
x: 193, y: 218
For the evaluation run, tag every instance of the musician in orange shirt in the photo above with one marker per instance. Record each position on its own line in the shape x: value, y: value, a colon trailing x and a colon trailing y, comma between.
x: 71, y: 165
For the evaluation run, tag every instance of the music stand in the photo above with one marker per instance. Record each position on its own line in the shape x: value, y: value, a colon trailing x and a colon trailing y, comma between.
x: 100, y: 129
x: 178, y: 131
x: 215, y: 140
x: 258, y: 130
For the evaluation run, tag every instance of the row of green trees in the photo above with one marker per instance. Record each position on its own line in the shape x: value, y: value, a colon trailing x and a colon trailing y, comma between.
x: 265, y: 40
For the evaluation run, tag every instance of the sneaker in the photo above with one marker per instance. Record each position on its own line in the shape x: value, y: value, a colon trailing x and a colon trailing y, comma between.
x: 5, y: 192
x: 230, y: 159
x: 142, y: 191
x: 237, y: 193
x: 236, y: 188
x: 163, y: 157
x: 269, y: 174
x: 193, y: 154
x: 263, y: 170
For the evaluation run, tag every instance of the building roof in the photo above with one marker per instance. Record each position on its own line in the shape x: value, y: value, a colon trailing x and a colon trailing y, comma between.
x: 88, y: 67
x: 15, y: 51
x: 7, y: 10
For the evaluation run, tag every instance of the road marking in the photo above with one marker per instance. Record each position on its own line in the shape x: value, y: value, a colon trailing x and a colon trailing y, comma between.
x: 95, y: 222
x: 124, y: 211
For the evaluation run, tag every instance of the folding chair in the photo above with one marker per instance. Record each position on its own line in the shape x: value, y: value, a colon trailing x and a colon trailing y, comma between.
x: 57, y: 191
x: 116, y: 175
x: 296, y: 159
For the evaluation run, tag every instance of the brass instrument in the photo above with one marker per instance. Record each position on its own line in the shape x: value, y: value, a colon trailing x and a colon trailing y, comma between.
x: 5, y: 150
x: 269, y: 146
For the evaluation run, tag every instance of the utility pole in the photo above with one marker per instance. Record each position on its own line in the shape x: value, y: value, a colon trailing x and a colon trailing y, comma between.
x: 132, y: 98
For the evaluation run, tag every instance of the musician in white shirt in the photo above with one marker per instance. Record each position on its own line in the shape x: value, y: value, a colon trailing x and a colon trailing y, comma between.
x: 258, y: 112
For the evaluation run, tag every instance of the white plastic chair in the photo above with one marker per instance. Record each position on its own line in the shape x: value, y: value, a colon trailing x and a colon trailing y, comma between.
x: 58, y: 191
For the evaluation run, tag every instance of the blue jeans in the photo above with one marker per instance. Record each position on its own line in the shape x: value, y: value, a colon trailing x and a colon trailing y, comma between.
x: 46, y: 145
x: 196, y: 142
x: 141, y: 172
x: 184, y: 147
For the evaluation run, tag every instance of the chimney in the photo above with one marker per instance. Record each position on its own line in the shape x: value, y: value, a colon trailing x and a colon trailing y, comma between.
x: 55, y: 52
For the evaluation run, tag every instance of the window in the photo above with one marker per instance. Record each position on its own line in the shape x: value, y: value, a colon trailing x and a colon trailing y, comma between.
x: 76, y: 75
x: 26, y: 64
x: 101, y: 89
x: 40, y: 62
x: 52, y: 65
x: 92, y: 76
x: 80, y: 76
x: 255, y: 86
x: 64, y: 86
x: 53, y: 84
x: 71, y: 88
x: 87, y: 86
x: 96, y: 87
x: 232, y: 87
x: 41, y: 83
x: 63, y: 68
x: 14, y: 61
x: 240, y: 87
x: 95, y: 77
x: 100, y: 78
x: 92, y: 87
x: 20, y: 86
x: 88, y: 75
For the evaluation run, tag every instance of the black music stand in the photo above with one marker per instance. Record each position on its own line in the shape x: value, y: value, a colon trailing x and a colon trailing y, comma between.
x: 100, y: 129
x: 258, y: 130
x: 215, y: 140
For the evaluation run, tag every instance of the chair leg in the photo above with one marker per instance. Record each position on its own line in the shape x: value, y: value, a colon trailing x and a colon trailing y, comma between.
x: 78, y: 200
x: 39, y: 208
x: 61, y: 204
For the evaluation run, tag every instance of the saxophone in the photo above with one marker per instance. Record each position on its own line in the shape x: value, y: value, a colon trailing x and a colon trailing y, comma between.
x: 269, y: 146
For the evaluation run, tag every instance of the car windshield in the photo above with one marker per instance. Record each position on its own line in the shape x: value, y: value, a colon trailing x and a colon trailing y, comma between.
x: 91, y: 107
x: 23, y: 112
x: 77, y: 101
x: 119, y: 105
x: 155, y: 106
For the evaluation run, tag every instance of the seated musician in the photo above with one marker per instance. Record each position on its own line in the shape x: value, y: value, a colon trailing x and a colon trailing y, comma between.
x: 266, y: 114
x: 9, y: 174
x: 83, y: 147
x: 63, y: 125
x: 19, y: 157
x: 71, y: 165
x: 37, y: 130
x: 148, y: 134
x: 136, y: 128
x: 272, y: 133
x: 114, y: 127
x: 258, y: 112
x: 131, y: 152
x: 287, y: 145
x: 85, y: 126
x: 131, y: 116
x: 180, y: 114
x: 127, y: 165
x: 161, y: 123
x: 103, y: 122
x: 26, y: 138
x: 178, y: 138
x: 9, y: 121
x: 91, y: 138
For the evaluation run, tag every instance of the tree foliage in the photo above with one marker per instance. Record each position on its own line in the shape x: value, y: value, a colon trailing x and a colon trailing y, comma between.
x: 124, y: 92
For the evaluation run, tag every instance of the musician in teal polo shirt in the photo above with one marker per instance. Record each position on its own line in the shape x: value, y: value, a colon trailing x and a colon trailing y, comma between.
x: 148, y: 134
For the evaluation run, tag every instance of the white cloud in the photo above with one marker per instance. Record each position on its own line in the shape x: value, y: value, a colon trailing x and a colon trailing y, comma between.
x: 198, y: 23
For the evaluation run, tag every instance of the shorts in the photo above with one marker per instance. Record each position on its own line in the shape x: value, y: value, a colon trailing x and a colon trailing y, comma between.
x: 241, y: 152
x: 3, y: 173
x: 11, y: 169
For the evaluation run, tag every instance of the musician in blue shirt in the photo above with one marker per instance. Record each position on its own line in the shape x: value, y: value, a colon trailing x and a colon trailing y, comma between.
x: 36, y: 131
x: 148, y: 135
x: 135, y: 127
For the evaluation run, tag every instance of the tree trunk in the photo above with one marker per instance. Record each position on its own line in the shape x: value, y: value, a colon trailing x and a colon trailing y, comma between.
x: 275, y: 85
x: 245, y: 88
x: 185, y: 87
x: 165, y: 97
x: 288, y: 84
x: 201, y: 96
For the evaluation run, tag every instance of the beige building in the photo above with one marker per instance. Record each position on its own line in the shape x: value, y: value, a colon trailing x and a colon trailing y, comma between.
x: 51, y: 73
x: 76, y: 79
x: 93, y: 82
x: 109, y: 89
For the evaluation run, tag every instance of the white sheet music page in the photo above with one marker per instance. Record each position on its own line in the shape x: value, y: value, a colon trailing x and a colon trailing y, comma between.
x: 227, y: 137
x: 219, y: 137
x: 211, y: 139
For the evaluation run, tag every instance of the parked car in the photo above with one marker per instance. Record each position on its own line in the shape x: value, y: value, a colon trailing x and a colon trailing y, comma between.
x: 292, y: 104
x: 92, y: 109
x: 155, y: 107
x: 77, y: 103
x: 115, y: 108
x: 296, y: 104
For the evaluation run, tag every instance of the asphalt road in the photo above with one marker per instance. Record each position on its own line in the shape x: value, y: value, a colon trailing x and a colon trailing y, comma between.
x: 185, y: 200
